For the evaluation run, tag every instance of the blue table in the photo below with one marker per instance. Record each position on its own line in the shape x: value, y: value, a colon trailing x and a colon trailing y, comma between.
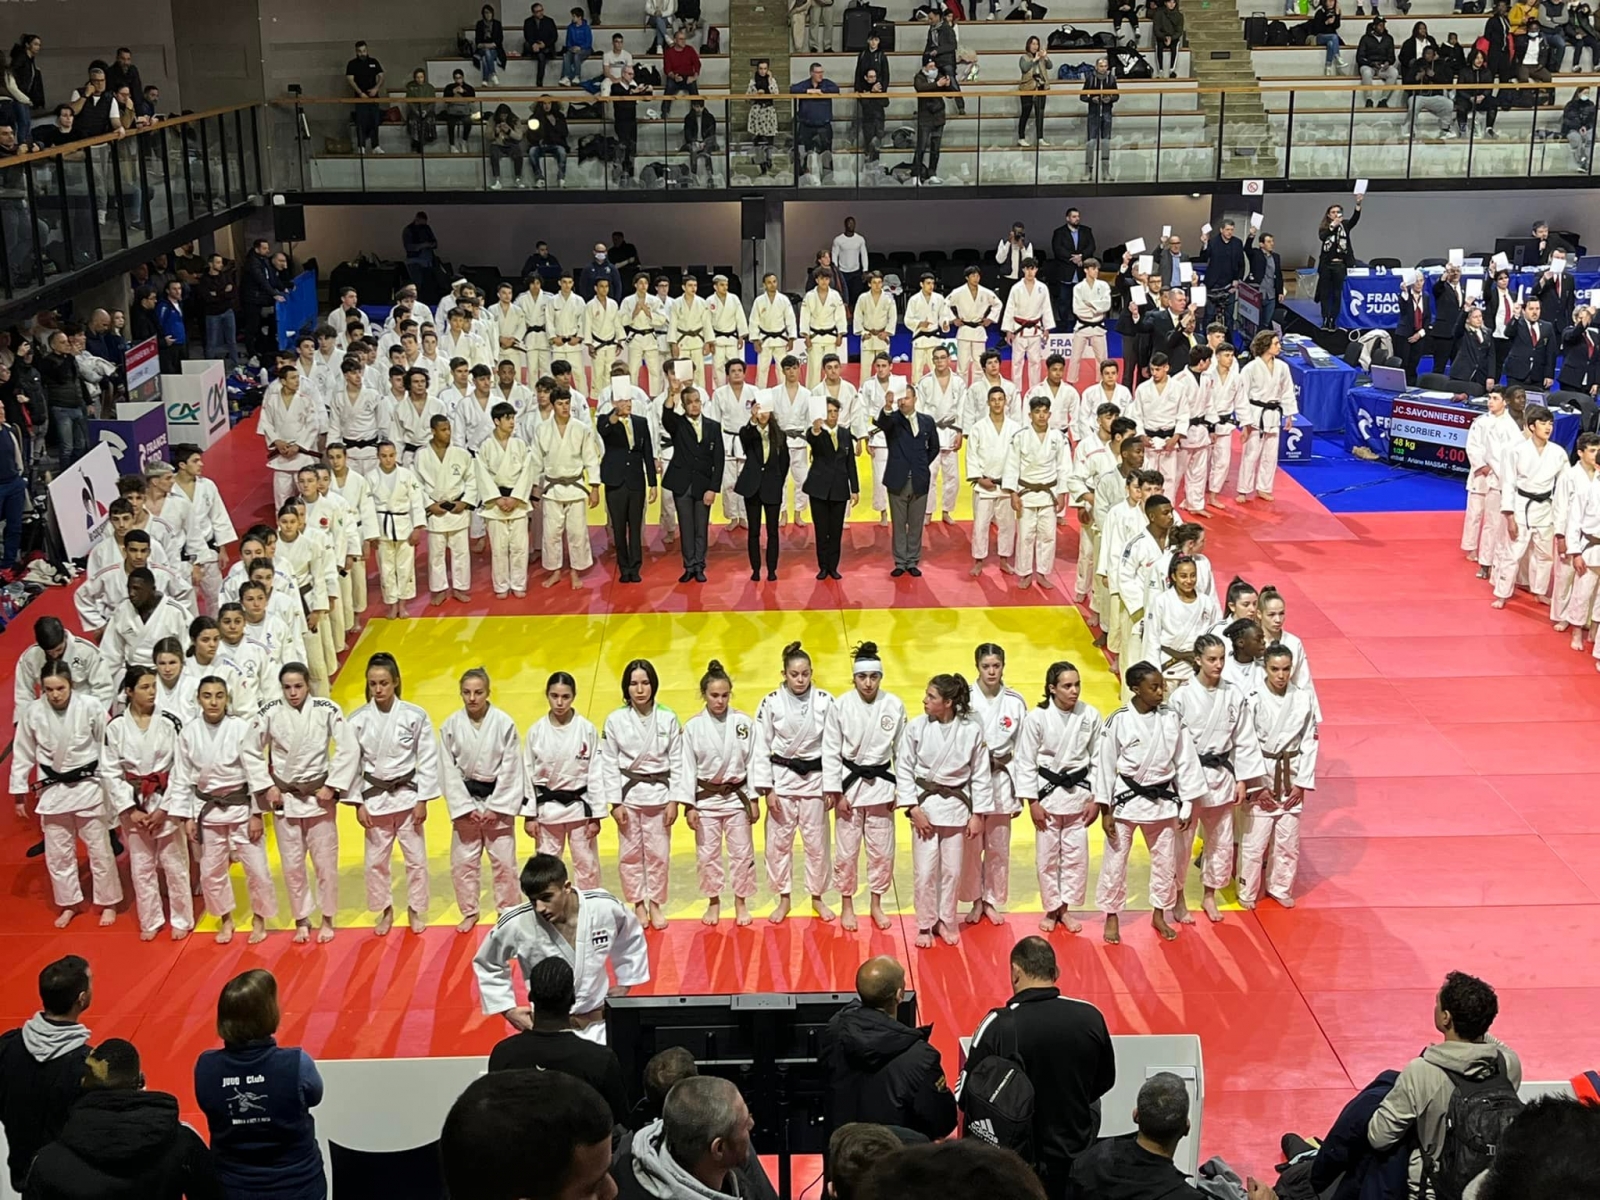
x: 1368, y: 410
x: 1320, y: 391
x: 1373, y: 301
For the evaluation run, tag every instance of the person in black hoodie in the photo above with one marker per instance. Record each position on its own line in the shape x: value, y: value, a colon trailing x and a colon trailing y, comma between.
x: 1375, y: 61
x: 881, y: 1071
x: 1139, y: 1166
x: 870, y: 113
x: 41, y: 1064
x: 121, y: 1142
x: 1345, y: 1166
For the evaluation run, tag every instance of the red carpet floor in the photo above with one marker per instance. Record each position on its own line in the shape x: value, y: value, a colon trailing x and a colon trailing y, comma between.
x: 1453, y: 827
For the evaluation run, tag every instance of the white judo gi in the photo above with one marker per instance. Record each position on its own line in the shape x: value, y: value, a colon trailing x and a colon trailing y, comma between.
x: 1169, y: 630
x: 946, y: 403
x: 1268, y: 404
x: 986, y: 859
x: 787, y: 766
x: 560, y: 460
x: 858, y: 743
x: 398, y: 769
x: 1223, y: 732
x: 1054, y: 765
x: 90, y: 675
x: 1287, y: 728
x: 557, y: 761
x: 1488, y: 437
x: 1038, y: 470
x: 211, y: 786
x: 987, y: 448
x: 944, y: 769
x: 130, y: 638
x: 480, y: 775
x: 505, y: 471
x: 639, y: 774
x: 1158, y: 409
x: 452, y: 478
x: 1527, y: 491
x: 136, y: 771
x: 717, y: 766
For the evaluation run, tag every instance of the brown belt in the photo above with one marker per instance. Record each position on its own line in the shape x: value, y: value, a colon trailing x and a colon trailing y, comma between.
x: 704, y: 788
x: 386, y: 787
x: 926, y: 788
x: 635, y: 778
x: 215, y: 800
x: 306, y: 790
x: 1282, y: 772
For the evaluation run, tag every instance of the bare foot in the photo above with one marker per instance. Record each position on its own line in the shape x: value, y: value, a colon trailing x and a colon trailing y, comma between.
x: 847, y: 915
x: 1046, y: 584
x: 464, y: 597
x: 879, y: 917
x: 975, y: 915
x: 1267, y: 496
x: 947, y: 519
x: 741, y: 911
x: 1209, y: 907
x: 996, y: 917
x: 439, y: 598
x: 108, y: 916
x: 148, y: 935
x: 781, y: 913
x: 1577, y: 639
x: 1113, y: 930
x: 713, y: 912
x: 551, y: 579
x: 418, y: 921
x: 1025, y: 581
x: 577, y: 582
x: 658, y: 916
x: 1070, y: 922
x: 924, y: 939
x: 258, y: 931
x: 1497, y: 602
x: 1007, y: 568
x: 1561, y: 626
x: 977, y: 570
x: 1182, y: 915
x: 641, y: 913
x: 1240, y: 499
x: 820, y: 907
x: 384, y: 923
x: 949, y: 936
x: 325, y: 934
x: 302, y: 932
x: 1158, y: 921
x: 467, y: 924
x: 179, y: 934
x: 225, y: 931
x: 1285, y: 901
x: 65, y: 918
x: 1047, y: 924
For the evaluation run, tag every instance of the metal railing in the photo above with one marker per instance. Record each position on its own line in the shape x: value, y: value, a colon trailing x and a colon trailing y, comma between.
x: 68, y: 207
x: 1159, y: 133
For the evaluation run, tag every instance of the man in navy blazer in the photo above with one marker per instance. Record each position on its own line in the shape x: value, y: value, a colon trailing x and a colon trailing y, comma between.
x: 626, y: 466
x: 694, y: 475
x: 913, y: 446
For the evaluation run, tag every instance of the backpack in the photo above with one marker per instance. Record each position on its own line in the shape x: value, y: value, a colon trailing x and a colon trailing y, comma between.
x: 1133, y: 65
x: 997, y: 1097
x: 1474, y: 1126
x: 1105, y: 40
x: 713, y: 42
x: 1277, y: 33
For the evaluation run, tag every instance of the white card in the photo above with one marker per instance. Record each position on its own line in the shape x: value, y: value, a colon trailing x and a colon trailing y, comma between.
x: 1594, y: 297
x: 1205, y: 229
x: 1166, y: 232
x: 1558, y: 265
x: 1137, y: 295
x: 819, y: 406
x: 1500, y: 263
x: 1361, y: 187
x: 1136, y: 246
x: 1197, y: 295
x: 1475, y: 289
x: 1457, y: 257
x: 1255, y: 220
x: 682, y: 370
x: 1185, y: 273
x: 1407, y: 274
x: 1147, y: 265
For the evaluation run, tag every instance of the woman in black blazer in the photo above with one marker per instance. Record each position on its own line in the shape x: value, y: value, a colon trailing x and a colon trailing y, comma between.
x: 1333, y: 236
x: 1411, y: 330
x: 1475, y: 352
x: 832, y: 485
x: 761, y: 481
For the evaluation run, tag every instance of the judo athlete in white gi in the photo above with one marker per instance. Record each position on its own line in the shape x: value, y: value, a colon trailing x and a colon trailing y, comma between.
x: 1037, y: 479
x: 480, y: 773
x: 986, y: 861
x: 1532, y: 469
x: 1053, y: 766
x: 301, y: 758
x: 397, y: 774
x: 558, y: 758
x: 874, y: 317
x: 1121, y: 522
x: 564, y: 453
x: 1574, y: 480
x: 211, y: 788
x: 787, y: 770
x: 291, y: 423
x: 1269, y: 404
x: 1027, y: 319
x: 1286, y: 723
x: 213, y: 531
x: 1583, y: 550
x: 928, y: 316
x: 136, y: 757
x: 1274, y: 612
x: 858, y: 739
x: 60, y: 738
x: 730, y: 409
x: 138, y: 623
x: 729, y: 328
x: 338, y: 477
x: 52, y: 643
x: 399, y: 504
x: 975, y: 308
x: 772, y: 328
x: 942, y: 396
x: 1216, y: 714
x: 450, y: 486
x: 589, y: 928
x: 1146, y: 777
x: 989, y: 440
x: 1173, y: 619
x: 822, y: 325
x: 1157, y: 407
x: 505, y: 486
x: 1195, y: 431
x: 1092, y: 458
x: 718, y: 743
x: 942, y: 775
x: 639, y: 778
x: 876, y: 394
x: 789, y: 402
x: 1489, y: 436
x: 1224, y: 397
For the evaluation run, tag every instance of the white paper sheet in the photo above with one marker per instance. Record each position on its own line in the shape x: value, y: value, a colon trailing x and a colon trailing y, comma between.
x: 1361, y: 187
x: 1205, y: 229
x: 1135, y: 247
x: 1500, y: 263
x: 1185, y: 273
x: 1137, y: 295
x: 1147, y: 264
x: 1475, y: 289
x: 1166, y: 232
x: 1255, y: 220
x: 1457, y: 257
x: 682, y: 370
x: 1197, y: 295
x: 819, y: 406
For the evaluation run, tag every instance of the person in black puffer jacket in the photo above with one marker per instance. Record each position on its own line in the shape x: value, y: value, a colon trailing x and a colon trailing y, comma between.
x: 121, y: 1142
x: 1577, y: 126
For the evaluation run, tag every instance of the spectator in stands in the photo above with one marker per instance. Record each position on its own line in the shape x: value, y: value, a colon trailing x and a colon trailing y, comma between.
x: 1138, y: 1166
x: 63, y: 133
x: 625, y: 116
x: 813, y: 119
x: 68, y: 400
x: 1411, y: 49
x: 489, y: 45
x: 872, y: 59
x: 1033, y: 67
x: 700, y: 140
x: 273, y: 1156
x: 680, y: 71
x: 941, y: 48
x: 1324, y: 27
x: 538, y: 40
x: 1582, y: 31
x: 1577, y: 126
x: 148, y: 104
x: 364, y: 74
x: 1119, y: 11
x: 122, y: 73
x: 1547, y: 1152
x: 420, y: 245
x: 42, y: 1062
x: 931, y: 84
x: 960, y: 1167
x: 1344, y: 1166
x: 658, y: 20
x: 458, y: 116
x: 1417, y: 1106
x: 527, y: 1135
x: 1475, y: 97
x: 1068, y: 1051
x: 661, y: 1073
x: 120, y: 1142
x: 25, y: 84
x: 853, y: 1150
x: 579, y: 45
x: 422, y: 116
x: 613, y: 63
x: 698, y: 1150
x: 1552, y: 20
x: 1375, y: 59
x: 552, y: 1045
x: 549, y: 140
x: 1502, y: 47
x: 505, y: 141
x: 1428, y: 97
x: 543, y: 264
x: 871, y: 116
x: 1166, y: 31
x: 761, y: 120
x: 879, y: 1069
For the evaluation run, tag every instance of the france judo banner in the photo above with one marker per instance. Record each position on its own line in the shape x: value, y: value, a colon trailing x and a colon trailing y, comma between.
x: 1370, y: 302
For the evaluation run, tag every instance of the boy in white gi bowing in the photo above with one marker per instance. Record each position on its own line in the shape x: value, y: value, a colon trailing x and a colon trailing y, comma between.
x: 587, y: 928
x: 480, y: 773
x: 1146, y: 777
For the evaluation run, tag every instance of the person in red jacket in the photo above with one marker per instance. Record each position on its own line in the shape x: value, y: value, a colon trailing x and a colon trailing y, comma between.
x: 680, y: 70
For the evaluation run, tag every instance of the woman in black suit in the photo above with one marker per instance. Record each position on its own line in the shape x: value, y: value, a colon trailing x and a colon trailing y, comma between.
x: 1475, y: 353
x: 832, y: 486
x: 760, y: 482
x: 1411, y: 331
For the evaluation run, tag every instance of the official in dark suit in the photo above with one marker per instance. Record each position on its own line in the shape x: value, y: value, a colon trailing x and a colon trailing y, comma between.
x: 694, y: 475
x: 832, y: 486
x: 1411, y: 330
x: 913, y: 447
x: 1557, y: 299
x: 1531, y: 357
x: 1227, y: 262
x: 627, y: 469
x: 1159, y: 324
x: 1070, y: 244
x: 1580, y: 355
x: 761, y: 481
x: 1449, y: 305
x: 1266, y: 272
x: 1474, y: 358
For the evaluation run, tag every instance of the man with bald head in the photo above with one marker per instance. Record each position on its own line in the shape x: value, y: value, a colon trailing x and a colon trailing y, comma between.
x: 883, y: 1071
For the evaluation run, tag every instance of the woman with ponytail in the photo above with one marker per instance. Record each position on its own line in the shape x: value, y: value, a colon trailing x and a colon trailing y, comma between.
x: 1055, y: 757
x: 718, y: 743
x: 560, y: 810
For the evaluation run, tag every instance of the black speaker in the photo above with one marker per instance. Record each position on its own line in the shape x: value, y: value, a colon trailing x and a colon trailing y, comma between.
x: 289, y: 222
x: 752, y: 218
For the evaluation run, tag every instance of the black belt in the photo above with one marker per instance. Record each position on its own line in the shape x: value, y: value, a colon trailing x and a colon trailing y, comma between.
x: 362, y: 443
x: 800, y: 766
x: 1065, y: 780
x: 973, y: 324
x: 928, y: 334
x: 1211, y: 426
x: 1148, y: 791
x: 635, y: 778
x: 535, y: 328
x: 727, y: 335
x: 479, y: 789
x: 1218, y: 762
x: 825, y: 332
x: 411, y: 447
x: 387, y: 787
x: 1161, y: 433
x: 1082, y: 324
x: 775, y: 333
x: 49, y: 777
x: 854, y: 771
x: 550, y: 795
x: 1271, y: 405
x: 1536, y: 497
x: 704, y: 788
x: 598, y: 342
x: 926, y: 788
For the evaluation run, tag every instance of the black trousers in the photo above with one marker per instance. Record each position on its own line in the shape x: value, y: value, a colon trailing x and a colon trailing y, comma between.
x: 1410, y: 353
x: 1442, y: 349
x: 626, y: 506
x: 830, y: 516
x: 1333, y: 292
x: 694, y: 520
x: 754, y: 511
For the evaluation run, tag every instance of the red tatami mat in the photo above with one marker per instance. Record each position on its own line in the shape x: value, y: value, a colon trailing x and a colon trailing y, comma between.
x: 1454, y: 828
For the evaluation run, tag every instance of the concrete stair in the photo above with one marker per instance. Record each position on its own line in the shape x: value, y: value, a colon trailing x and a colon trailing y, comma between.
x: 1221, y: 59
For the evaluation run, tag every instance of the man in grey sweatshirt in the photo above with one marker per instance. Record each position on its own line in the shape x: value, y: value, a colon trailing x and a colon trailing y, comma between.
x: 41, y: 1065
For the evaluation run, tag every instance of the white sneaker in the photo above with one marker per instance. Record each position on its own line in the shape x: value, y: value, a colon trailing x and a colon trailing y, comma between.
x: 1023, y: 142
x: 1042, y: 142
x: 933, y: 180
x: 377, y: 149
x: 522, y: 183
x: 562, y: 182
x: 495, y: 186
x: 494, y: 81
